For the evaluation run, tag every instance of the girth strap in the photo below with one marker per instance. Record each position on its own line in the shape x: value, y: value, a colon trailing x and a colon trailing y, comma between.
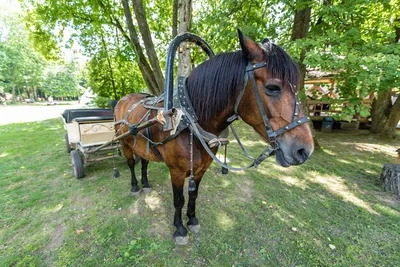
x: 153, y: 147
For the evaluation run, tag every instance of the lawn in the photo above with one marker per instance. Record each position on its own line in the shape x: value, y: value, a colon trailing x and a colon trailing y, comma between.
x: 331, y: 211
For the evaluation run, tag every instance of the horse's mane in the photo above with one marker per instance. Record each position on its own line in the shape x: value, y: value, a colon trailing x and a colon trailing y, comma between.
x: 215, y: 84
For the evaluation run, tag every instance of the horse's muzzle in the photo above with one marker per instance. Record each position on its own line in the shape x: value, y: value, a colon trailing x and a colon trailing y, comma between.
x: 296, y: 157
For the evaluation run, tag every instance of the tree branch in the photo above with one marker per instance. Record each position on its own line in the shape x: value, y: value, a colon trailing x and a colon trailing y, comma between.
x: 140, y: 15
x: 142, y: 61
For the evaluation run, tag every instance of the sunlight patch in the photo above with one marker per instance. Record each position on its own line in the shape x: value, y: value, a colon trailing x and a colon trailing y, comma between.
x: 53, y: 209
x: 387, y: 210
x: 253, y: 143
x: 344, y: 161
x: 134, y: 208
x: 225, y: 183
x: 220, y: 156
x: 335, y: 185
x: 377, y: 148
x: 289, y: 180
x: 225, y: 222
x: 280, y: 217
x: 152, y: 201
x: 329, y: 152
x: 3, y: 155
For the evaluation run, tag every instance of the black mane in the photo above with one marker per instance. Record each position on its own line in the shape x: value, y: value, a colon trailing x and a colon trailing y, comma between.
x: 215, y: 84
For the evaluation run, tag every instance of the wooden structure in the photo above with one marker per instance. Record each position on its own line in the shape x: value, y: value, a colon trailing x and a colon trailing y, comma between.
x: 319, y: 84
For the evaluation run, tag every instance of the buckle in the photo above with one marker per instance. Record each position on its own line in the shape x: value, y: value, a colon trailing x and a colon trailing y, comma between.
x: 272, y: 137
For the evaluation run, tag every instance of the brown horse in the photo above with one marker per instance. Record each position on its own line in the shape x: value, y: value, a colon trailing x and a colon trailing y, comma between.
x: 214, y: 88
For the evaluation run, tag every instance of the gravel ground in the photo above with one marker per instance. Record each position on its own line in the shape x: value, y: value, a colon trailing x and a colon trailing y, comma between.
x: 31, y: 112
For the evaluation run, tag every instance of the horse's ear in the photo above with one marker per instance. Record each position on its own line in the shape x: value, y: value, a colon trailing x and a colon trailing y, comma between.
x: 266, y: 40
x: 250, y: 49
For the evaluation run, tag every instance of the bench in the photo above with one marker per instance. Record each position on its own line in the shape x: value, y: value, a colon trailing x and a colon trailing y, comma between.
x: 94, y: 114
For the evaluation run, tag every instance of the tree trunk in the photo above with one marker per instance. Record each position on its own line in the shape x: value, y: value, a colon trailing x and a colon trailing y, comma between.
x: 13, y: 95
x: 109, y: 66
x: 34, y: 91
x: 301, y: 26
x: 175, y: 18
x: 140, y: 15
x: 385, y: 115
x: 144, y: 66
x: 390, y: 178
x: 397, y: 30
x: 185, y: 17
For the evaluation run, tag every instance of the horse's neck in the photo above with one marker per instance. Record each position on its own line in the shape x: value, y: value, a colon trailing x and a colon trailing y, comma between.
x: 219, y: 122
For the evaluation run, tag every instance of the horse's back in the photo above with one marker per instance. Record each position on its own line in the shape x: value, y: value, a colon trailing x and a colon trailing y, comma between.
x: 125, y: 103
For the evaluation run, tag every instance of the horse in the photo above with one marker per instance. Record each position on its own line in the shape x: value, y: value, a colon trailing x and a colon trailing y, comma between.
x: 218, y: 89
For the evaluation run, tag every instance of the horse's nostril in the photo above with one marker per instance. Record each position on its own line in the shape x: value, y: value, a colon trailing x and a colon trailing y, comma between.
x: 301, y: 155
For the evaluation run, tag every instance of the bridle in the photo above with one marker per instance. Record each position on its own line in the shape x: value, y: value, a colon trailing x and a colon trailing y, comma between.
x: 191, y: 120
x: 272, y: 134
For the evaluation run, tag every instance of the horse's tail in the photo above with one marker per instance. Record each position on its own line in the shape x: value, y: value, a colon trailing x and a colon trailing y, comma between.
x: 113, y: 103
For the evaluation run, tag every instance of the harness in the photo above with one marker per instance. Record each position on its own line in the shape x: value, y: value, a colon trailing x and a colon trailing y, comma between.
x: 178, y: 98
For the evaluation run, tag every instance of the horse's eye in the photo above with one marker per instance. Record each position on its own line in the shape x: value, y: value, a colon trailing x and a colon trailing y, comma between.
x: 273, y: 89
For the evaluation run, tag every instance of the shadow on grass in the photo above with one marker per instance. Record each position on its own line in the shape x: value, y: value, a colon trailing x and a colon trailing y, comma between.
x: 329, y: 211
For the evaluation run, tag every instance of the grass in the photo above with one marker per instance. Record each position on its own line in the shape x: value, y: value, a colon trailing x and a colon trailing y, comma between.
x: 330, y: 211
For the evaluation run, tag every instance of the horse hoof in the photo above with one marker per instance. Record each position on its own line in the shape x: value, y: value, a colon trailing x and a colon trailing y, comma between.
x: 146, y: 190
x: 181, y: 240
x: 194, y: 228
x: 135, y: 194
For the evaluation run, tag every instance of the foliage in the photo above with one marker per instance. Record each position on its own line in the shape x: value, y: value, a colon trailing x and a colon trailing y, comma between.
x: 356, y: 40
x: 20, y: 65
x: 102, y: 102
x: 22, y: 68
x: 99, y: 27
x: 112, y: 71
x: 61, y: 80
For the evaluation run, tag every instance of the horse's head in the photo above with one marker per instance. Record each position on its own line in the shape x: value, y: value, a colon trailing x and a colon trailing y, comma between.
x: 275, y: 79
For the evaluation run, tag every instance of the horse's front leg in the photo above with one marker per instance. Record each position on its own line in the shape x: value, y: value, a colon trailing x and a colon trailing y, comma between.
x: 135, y: 189
x: 178, y: 180
x: 131, y: 159
x: 193, y: 222
x: 145, y: 181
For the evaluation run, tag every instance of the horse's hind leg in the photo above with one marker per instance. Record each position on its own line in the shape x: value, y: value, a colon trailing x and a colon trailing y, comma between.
x: 145, y: 181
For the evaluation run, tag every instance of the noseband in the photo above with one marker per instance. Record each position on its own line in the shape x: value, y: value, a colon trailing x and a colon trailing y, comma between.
x: 272, y: 135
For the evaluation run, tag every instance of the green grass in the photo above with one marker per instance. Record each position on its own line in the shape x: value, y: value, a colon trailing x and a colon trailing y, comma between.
x: 268, y: 216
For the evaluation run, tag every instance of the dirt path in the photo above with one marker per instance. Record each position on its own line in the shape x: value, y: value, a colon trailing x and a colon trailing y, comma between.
x: 29, y: 113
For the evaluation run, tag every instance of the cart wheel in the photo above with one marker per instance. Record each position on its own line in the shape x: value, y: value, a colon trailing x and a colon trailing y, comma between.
x: 77, y: 164
x: 67, y: 144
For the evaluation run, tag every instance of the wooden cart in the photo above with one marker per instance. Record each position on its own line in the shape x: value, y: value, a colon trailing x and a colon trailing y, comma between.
x: 89, y: 136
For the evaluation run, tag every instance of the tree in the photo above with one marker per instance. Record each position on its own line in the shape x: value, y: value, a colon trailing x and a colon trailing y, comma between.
x: 90, y: 18
x: 385, y: 111
x: 21, y: 66
x: 357, y: 41
x: 61, y: 80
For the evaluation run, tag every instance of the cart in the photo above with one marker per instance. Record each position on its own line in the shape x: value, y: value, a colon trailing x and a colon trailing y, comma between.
x: 89, y: 137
